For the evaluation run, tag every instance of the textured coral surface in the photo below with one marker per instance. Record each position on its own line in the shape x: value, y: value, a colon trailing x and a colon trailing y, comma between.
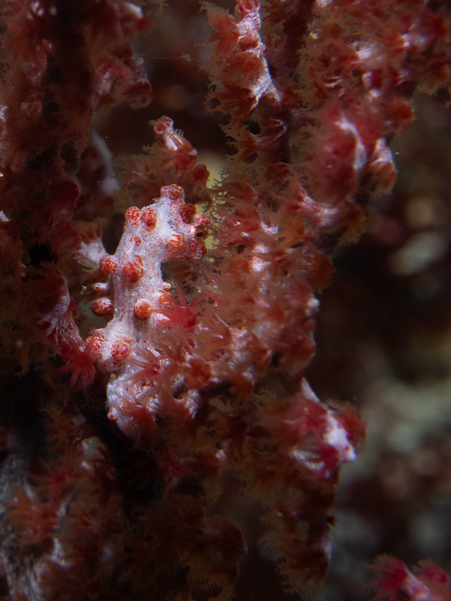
x: 158, y: 433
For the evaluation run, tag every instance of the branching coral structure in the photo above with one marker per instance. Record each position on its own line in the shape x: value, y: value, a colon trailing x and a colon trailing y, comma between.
x: 209, y: 298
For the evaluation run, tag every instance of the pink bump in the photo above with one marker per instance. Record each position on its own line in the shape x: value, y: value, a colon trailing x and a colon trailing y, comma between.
x: 132, y: 215
x: 108, y: 264
x: 143, y: 308
x: 149, y: 218
x: 100, y: 287
x: 133, y: 269
x: 94, y: 343
x: 120, y: 350
x: 187, y: 212
x: 175, y: 242
x: 173, y: 192
x: 102, y: 306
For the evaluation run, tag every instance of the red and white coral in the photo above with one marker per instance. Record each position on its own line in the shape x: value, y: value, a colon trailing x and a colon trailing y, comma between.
x: 394, y: 582
x: 135, y: 293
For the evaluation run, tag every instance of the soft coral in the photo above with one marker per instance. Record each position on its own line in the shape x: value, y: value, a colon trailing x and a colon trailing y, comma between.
x: 79, y: 362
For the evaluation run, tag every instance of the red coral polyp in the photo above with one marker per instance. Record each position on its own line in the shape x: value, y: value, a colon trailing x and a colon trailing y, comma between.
x: 133, y: 269
x: 108, y: 265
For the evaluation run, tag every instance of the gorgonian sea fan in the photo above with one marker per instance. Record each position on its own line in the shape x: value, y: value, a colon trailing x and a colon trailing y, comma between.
x: 209, y: 298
